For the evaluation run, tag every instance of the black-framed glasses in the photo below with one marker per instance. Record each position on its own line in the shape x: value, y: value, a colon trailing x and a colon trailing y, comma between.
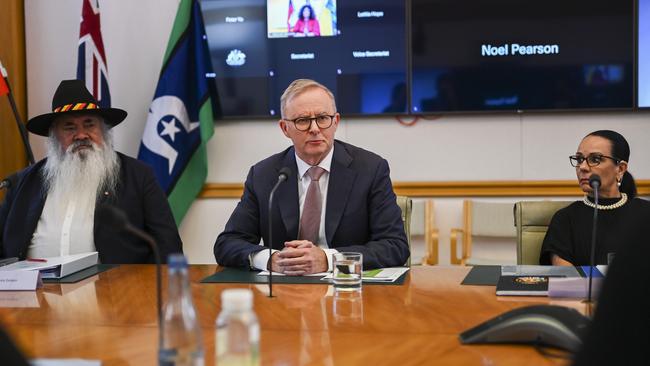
x: 323, y: 121
x: 592, y: 159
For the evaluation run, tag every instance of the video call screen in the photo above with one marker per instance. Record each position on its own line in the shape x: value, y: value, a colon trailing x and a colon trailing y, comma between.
x: 356, y: 48
x: 522, y: 55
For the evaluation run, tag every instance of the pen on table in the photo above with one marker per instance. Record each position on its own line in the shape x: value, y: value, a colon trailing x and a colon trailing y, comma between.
x: 36, y: 260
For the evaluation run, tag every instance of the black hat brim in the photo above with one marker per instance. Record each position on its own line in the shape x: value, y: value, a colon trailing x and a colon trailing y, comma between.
x: 40, y: 125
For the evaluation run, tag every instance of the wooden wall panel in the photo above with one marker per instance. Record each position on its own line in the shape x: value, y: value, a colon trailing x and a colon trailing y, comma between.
x: 12, y: 55
x: 545, y: 188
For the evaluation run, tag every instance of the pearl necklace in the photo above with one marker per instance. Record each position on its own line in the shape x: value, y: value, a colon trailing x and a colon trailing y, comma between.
x: 618, y: 204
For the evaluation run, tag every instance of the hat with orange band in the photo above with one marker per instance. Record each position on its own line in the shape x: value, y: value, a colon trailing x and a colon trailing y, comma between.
x: 72, y: 97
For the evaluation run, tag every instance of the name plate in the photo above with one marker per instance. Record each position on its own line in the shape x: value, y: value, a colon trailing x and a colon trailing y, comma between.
x: 20, y: 280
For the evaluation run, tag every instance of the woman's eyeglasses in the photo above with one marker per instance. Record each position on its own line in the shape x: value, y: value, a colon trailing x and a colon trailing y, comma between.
x: 591, y: 159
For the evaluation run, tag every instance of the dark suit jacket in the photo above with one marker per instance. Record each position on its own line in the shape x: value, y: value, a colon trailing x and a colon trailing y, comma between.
x: 138, y: 195
x: 361, y: 215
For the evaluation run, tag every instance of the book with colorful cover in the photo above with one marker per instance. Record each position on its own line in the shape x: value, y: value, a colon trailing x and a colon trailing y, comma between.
x: 522, y: 286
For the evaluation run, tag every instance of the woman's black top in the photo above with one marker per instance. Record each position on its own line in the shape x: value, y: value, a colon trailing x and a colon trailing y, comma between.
x: 569, y: 234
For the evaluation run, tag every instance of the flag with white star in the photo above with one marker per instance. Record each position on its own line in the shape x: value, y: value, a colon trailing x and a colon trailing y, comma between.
x: 180, y: 120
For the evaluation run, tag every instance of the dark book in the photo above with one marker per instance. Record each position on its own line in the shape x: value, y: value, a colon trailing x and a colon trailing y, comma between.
x: 522, y: 286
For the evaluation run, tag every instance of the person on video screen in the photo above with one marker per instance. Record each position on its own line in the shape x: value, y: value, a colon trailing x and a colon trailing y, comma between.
x: 307, y: 25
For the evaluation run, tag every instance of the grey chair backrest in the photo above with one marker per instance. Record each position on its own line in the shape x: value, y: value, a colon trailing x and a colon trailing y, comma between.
x: 532, y: 219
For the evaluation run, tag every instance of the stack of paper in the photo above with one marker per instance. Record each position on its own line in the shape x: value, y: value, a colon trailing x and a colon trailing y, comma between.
x: 534, y: 270
x: 574, y: 287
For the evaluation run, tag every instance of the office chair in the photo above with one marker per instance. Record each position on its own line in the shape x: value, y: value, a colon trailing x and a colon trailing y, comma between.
x: 531, y: 220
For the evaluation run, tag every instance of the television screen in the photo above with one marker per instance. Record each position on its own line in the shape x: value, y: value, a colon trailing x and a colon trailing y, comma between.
x: 521, y: 55
x: 643, y: 71
x: 355, y: 48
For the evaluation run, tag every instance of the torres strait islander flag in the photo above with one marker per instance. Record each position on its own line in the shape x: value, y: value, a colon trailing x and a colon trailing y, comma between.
x: 180, y: 120
x: 91, y: 58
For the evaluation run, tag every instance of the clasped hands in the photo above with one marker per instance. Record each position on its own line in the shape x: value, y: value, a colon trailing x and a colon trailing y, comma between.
x: 299, y: 257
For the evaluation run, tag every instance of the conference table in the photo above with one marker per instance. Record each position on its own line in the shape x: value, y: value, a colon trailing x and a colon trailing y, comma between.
x: 112, y: 317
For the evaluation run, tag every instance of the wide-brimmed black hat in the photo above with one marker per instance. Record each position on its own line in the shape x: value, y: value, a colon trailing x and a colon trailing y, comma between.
x: 72, y: 97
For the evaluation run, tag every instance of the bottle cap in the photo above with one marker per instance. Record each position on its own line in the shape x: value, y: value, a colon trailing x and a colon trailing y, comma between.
x: 177, y: 260
x: 237, y: 299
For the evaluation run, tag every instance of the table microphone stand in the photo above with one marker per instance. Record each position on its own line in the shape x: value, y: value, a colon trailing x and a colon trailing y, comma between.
x: 282, y: 176
x: 594, y: 182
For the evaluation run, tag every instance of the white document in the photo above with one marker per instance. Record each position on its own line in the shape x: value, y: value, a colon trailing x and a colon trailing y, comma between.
x: 55, y: 267
x: 384, y: 274
x: 20, y: 280
x: 379, y: 275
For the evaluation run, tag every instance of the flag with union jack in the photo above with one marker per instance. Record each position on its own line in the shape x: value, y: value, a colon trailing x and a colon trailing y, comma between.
x: 91, y: 58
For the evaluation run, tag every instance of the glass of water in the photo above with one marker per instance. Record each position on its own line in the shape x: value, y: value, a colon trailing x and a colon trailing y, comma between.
x: 348, y: 267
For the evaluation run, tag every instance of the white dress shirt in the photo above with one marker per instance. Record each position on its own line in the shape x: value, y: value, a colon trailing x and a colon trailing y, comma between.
x: 260, y: 259
x: 63, y: 230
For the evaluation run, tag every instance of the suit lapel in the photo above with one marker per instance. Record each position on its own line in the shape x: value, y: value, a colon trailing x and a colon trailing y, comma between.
x: 339, y: 187
x: 287, y: 196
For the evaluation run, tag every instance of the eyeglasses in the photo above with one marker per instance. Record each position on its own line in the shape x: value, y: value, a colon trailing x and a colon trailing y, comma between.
x: 323, y: 121
x: 592, y: 159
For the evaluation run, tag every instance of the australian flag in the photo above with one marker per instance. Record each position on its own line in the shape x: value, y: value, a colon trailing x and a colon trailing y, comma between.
x: 91, y: 58
x: 180, y: 120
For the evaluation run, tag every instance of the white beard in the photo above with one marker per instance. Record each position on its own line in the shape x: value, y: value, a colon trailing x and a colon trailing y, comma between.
x: 83, y: 175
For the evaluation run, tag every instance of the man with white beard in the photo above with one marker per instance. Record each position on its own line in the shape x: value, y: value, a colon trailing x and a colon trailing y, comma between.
x: 51, y: 210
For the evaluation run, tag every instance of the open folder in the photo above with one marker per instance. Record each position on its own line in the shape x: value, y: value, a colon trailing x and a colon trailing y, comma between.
x: 55, y: 267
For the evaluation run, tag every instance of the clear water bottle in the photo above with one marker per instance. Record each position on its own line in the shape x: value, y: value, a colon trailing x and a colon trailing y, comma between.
x: 238, y: 332
x: 182, y: 344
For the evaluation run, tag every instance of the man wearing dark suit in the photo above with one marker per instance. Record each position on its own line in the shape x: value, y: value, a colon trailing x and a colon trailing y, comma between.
x: 51, y: 210
x: 338, y: 198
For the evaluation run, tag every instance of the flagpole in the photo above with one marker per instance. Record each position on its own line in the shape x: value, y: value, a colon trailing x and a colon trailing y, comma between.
x: 19, y: 122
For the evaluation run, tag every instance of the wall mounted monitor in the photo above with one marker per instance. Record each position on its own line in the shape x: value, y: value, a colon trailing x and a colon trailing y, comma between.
x: 521, y: 55
x: 643, y: 63
x: 356, y: 48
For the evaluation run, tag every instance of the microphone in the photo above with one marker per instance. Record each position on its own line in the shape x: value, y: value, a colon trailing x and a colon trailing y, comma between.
x: 9, y: 182
x: 282, y: 176
x: 116, y: 218
x: 594, y: 183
